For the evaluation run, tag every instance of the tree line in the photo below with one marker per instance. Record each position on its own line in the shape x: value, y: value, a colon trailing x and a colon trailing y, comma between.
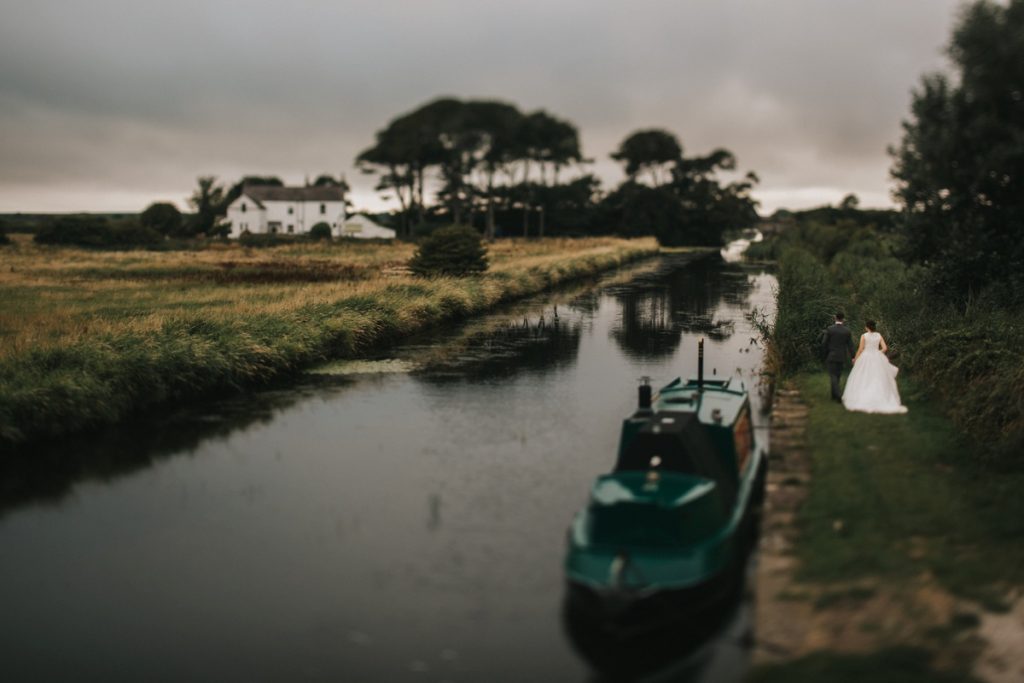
x: 161, y: 221
x: 488, y: 165
x: 502, y: 170
x: 960, y: 165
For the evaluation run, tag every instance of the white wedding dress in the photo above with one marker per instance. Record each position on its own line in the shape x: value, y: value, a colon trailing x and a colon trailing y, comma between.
x: 871, y: 386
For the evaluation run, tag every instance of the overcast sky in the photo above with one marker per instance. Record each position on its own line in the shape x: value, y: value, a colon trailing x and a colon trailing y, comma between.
x: 108, y: 105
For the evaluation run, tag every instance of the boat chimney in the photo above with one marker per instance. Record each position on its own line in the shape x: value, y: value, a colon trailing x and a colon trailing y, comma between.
x: 700, y: 365
x: 644, y: 394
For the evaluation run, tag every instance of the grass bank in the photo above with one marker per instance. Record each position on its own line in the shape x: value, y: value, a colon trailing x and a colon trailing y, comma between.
x: 91, y: 337
x: 936, y: 490
x: 965, y: 356
x: 899, y: 496
x: 906, y: 546
x: 891, y: 665
x: 910, y: 534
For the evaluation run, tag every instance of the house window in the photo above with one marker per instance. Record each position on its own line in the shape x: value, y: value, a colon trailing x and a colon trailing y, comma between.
x: 323, y: 209
x: 291, y: 210
x: 242, y: 206
x: 291, y: 228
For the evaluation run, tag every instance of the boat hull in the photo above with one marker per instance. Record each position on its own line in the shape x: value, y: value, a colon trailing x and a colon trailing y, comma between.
x: 626, y: 611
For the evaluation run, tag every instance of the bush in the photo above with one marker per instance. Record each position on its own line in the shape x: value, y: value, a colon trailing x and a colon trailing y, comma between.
x: 162, y: 217
x: 320, y: 231
x: 91, y: 231
x: 455, y: 250
x: 806, y: 305
x: 4, y: 239
x: 261, y: 240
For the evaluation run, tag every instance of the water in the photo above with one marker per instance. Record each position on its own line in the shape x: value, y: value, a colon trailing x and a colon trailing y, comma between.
x: 401, y: 518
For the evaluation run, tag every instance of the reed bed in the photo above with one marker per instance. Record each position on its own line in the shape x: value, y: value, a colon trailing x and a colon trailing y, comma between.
x: 90, y: 337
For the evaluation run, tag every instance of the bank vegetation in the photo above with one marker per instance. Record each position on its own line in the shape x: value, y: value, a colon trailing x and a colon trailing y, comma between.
x: 91, y: 337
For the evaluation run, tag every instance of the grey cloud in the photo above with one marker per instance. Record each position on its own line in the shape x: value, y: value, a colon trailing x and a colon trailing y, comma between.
x: 140, y: 97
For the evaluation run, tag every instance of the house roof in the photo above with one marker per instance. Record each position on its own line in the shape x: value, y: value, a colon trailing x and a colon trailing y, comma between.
x: 267, y: 193
x: 364, y: 219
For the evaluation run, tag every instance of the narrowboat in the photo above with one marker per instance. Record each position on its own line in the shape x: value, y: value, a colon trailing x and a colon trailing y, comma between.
x: 666, y: 534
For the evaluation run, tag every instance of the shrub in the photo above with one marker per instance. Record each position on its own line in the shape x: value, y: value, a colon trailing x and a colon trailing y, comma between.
x: 162, y: 217
x: 320, y: 231
x: 92, y: 231
x: 260, y: 240
x: 4, y: 239
x: 130, y: 233
x: 455, y: 250
x: 806, y: 305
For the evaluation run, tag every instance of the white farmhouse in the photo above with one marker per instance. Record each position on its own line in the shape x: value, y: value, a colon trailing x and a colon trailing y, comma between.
x: 362, y: 227
x: 288, y: 210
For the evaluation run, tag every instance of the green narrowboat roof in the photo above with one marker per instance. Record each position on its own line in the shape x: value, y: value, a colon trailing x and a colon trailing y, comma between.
x: 718, y: 395
x: 666, y: 490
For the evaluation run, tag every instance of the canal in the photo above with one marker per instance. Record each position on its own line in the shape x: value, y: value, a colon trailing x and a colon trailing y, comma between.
x: 400, y: 518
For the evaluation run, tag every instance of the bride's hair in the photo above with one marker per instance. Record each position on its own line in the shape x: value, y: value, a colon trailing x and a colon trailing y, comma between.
x: 870, y: 324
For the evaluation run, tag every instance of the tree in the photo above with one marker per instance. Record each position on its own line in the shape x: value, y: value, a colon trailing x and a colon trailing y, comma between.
x: 543, y: 139
x: 456, y: 250
x: 404, y: 150
x: 327, y: 180
x: 495, y: 127
x: 850, y: 203
x: 95, y: 231
x: 691, y: 207
x: 638, y: 209
x: 959, y: 167
x: 163, y: 217
x: 320, y: 231
x: 709, y: 207
x: 207, y: 200
x: 649, y: 151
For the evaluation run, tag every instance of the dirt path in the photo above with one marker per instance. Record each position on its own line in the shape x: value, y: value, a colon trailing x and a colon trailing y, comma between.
x: 782, y: 625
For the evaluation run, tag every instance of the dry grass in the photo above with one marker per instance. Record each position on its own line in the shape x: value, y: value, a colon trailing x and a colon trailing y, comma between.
x: 83, y: 332
x: 60, y: 296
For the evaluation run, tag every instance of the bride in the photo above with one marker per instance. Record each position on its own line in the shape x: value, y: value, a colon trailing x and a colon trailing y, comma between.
x: 871, y: 386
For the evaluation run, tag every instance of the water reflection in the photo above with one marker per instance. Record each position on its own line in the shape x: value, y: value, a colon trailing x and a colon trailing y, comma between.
x: 404, y: 521
x: 532, y: 335
x: 658, y: 308
x: 717, y: 647
x: 502, y: 347
x: 48, y: 473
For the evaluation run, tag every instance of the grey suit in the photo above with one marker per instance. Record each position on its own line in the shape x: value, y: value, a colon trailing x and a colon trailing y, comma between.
x: 837, y: 343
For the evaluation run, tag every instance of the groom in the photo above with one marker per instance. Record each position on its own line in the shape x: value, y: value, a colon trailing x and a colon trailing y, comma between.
x: 837, y: 343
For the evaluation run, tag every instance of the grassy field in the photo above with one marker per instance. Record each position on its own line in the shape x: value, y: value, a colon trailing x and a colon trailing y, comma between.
x: 908, y: 499
x: 907, y: 543
x: 88, y: 337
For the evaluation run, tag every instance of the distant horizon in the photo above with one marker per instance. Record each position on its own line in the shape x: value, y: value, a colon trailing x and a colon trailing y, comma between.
x: 384, y: 207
